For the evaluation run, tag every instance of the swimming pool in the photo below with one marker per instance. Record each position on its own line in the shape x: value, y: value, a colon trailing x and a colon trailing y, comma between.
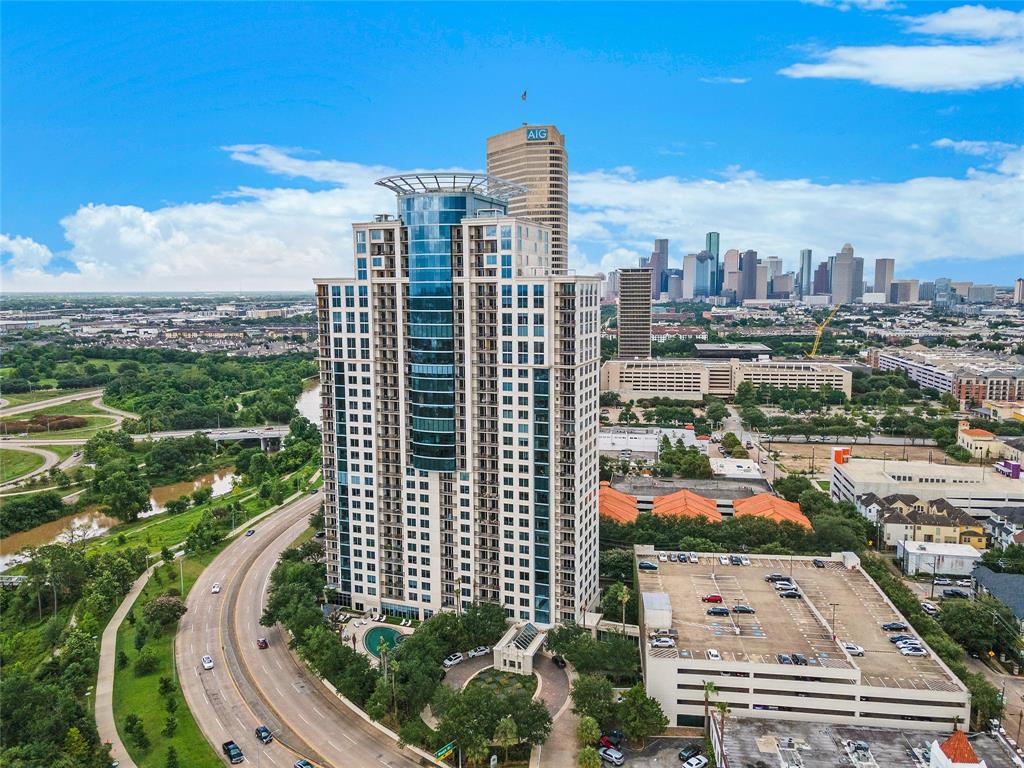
x: 373, y: 636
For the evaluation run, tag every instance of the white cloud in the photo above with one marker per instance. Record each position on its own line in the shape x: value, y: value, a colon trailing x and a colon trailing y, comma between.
x: 864, y: 5
x: 280, y: 238
x: 725, y: 80
x: 995, y: 59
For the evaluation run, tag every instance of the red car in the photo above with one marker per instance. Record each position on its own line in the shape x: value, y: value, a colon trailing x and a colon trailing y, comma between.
x: 711, y: 599
x: 262, y: 644
x: 607, y: 743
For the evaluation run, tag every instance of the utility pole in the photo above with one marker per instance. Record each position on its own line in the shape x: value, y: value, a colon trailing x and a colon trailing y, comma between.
x: 834, y: 605
x: 181, y: 571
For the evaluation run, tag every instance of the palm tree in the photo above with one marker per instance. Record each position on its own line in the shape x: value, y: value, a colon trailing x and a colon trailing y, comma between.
x: 723, y: 710
x: 624, y: 599
x: 710, y: 689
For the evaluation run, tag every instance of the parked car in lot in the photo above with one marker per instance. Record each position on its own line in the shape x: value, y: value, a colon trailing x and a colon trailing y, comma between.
x: 799, y: 659
x: 451, y: 661
x: 735, y: 560
x: 614, y: 738
x: 784, y: 658
x: 673, y: 557
x: 942, y: 581
x: 693, y: 557
x: 744, y: 560
x: 480, y: 650
x: 791, y: 593
x: 723, y: 560
x: 611, y: 755
x: 718, y: 611
x: 818, y: 562
x: 853, y: 649
x: 662, y: 642
x: 647, y: 565
x: 215, y: 589
x: 263, y: 734
x: 955, y: 593
x: 913, y: 652
x: 900, y: 638
x: 894, y: 626
x: 662, y: 558
x: 232, y: 752
x: 963, y: 582
x: 711, y: 598
x: 696, y: 762
x: 743, y: 609
x: 773, y: 577
x: 688, y: 753
x: 207, y: 662
x: 714, y: 655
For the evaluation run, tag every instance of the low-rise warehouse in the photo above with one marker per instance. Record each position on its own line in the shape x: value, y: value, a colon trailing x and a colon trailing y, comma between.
x: 796, y: 658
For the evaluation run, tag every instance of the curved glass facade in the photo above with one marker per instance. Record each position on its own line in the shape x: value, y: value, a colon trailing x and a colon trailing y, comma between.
x: 428, y: 218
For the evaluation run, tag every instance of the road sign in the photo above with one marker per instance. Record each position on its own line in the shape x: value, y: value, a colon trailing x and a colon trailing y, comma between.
x: 444, y: 751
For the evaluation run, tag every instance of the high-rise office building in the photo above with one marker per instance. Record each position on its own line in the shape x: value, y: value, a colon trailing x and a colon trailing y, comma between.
x: 884, y: 269
x: 846, y: 276
x: 774, y: 264
x: 903, y: 292
x: 731, y: 270
x: 711, y: 243
x: 700, y: 275
x: 981, y: 294
x: 657, y: 262
x: 803, y: 278
x: 944, y: 296
x: 747, y: 288
x: 534, y: 156
x: 459, y: 377
x: 761, y: 286
x: 634, y: 318
x: 1018, y: 291
x: 612, y: 288
x: 820, y: 285
x: 926, y: 291
x: 782, y: 286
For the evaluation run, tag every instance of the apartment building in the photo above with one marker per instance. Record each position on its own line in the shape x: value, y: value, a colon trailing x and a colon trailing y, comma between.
x: 459, y: 375
x: 691, y: 379
x: 970, y: 376
x: 634, y: 317
x: 534, y: 156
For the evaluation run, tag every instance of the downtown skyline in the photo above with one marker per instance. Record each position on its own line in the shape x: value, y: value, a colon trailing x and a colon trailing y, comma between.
x: 162, y: 189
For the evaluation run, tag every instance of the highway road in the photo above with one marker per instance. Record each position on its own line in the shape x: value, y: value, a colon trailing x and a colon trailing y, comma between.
x: 228, y: 433
x: 28, y: 407
x: 249, y: 687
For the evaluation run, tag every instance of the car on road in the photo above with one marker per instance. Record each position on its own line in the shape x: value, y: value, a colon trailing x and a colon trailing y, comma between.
x: 232, y: 752
x: 215, y: 589
x: 207, y: 662
x: 853, y: 649
x: 719, y: 611
x: 480, y: 650
x: 663, y: 642
x: 942, y: 581
x: 913, y: 652
x: 611, y: 755
x: 818, y: 562
x: 558, y: 661
x: 303, y: 764
x: 895, y: 626
x: 250, y: 532
x: 688, y: 753
x: 451, y: 661
x: 711, y: 599
x: 647, y: 565
x: 696, y: 762
x: 743, y: 609
x: 963, y: 582
x: 955, y: 593
x: 263, y: 734
x: 714, y: 655
x: 791, y: 593
x: 262, y: 644
x: 313, y: 491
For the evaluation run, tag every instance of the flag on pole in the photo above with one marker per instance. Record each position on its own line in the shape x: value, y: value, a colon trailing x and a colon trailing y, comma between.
x: 523, y: 97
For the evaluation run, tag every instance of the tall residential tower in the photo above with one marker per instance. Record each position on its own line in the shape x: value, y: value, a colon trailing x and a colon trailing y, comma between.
x: 534, y: 157
x: 634, y: 317
x: 459, y: 376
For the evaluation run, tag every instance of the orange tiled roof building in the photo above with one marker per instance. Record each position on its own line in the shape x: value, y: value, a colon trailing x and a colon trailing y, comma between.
x: 771, y: 507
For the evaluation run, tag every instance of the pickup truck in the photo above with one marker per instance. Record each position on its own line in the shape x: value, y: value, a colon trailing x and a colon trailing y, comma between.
x: 232, y: 752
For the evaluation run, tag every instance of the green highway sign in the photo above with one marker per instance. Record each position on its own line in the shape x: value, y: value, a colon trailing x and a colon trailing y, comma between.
x: 444, y: 751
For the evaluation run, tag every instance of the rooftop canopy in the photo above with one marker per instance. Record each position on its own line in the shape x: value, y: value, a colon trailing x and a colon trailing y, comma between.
x: 481, y: 184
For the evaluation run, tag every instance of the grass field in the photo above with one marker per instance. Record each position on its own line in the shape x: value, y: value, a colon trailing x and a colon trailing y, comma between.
x: 93, y: 425
x: 503, y: 682
x: 24, y: 398
x: 76, y: 408
x: 140, y: 695
x: 14, y: 464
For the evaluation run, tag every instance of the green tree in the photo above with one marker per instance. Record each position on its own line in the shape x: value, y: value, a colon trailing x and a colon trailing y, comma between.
x: 506, y: 734
x: 710, y: 689
x: 163, y: 611
x: 588, y: 757
x: 588, y: 732
x: 146, y: 663
x: 172, y: 758
x: 166, y: 686
x: 618, y: 595
x: 592, y: 697
x: 641, y: 715
x: 75, y: 746
x: 122, y: 659
x: 176, y: 506
x: 980, y: 625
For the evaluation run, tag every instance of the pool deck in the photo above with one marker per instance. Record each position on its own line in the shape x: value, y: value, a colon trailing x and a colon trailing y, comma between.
x: 350, y: 632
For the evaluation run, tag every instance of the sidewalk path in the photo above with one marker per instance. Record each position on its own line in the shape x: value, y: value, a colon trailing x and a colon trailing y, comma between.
x: 105, y: 723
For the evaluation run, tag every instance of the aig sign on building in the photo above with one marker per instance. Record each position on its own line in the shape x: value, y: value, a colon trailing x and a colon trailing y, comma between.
x: 536, y: 134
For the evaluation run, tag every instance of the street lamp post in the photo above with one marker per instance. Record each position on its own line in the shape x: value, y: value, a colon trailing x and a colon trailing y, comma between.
x: 834, y: 606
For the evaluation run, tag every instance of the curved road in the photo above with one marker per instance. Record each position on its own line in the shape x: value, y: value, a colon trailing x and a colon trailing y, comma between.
x: 28, y: 407
x: 249, y: 687
x: 50, y: 459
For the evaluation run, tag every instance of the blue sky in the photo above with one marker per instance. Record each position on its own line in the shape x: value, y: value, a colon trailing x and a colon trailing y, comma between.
x: 781, y: 125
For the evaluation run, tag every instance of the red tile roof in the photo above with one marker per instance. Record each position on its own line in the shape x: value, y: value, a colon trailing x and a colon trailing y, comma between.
x: 771, y: 507
x: 977, y: 433
x: 616, y: 505
x: 958, y: 749
x: 686, y: 504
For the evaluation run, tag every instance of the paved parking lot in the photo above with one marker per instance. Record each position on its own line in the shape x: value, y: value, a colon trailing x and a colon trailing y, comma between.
x: 659, y: 752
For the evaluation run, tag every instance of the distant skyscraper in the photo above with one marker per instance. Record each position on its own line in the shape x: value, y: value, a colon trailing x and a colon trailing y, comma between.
x: 903, y: 292
x: 711, y: 246
x: 846, y: 276
x: 774, y: 264
x: 419, y: 363
x: 1018, y: 291
x: 700, y: 275
x: 634, y: 313
x: 747, y: 288
x: 981, y: 294
x: 782, y: 286
x: 612, y: 285
x: 804, y: 274
x: 925, y: 292
x: 535, y: 157
x: 761, y: 287
x: 820, y: 286
x: 945, y: 297
x: 657, y: 262
x: 884, y: 269
x: 731, y: 270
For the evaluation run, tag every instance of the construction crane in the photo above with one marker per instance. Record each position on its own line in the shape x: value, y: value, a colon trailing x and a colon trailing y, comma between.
x: 821, y: 330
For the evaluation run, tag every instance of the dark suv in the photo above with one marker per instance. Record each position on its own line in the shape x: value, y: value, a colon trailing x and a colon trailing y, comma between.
x: 232, y: 752
x: 263, y: 734
x: 799, y: 659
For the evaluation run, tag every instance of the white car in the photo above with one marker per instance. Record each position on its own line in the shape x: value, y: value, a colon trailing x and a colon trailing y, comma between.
x: 784, y: 586
x: 696, y: 762
x: 693, y: 557
x: 215, y: 589
x: 930, y: 608
x: 480, y: 650
x: 723, y: 560
x: 610, y: 755
x: 663, y: 642
x: 744, y: 560
x: 207, y: 662
x: 853, y: 649
x: 451, y: 661
x: 912, y: 651
x: 714, y: 655
x: 963, y: 582
x: 942, y: 581
x: 663, y: 557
